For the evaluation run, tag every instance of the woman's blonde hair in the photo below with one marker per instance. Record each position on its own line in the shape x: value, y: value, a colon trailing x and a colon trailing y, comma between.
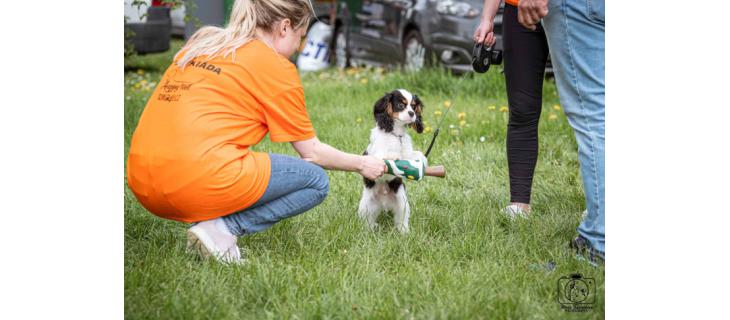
x: 246, y: 16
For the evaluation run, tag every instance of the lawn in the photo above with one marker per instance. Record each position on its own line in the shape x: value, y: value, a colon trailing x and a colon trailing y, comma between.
x: 462, y: 259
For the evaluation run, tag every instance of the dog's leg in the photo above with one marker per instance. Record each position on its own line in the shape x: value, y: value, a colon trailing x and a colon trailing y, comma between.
x: 369, y: 210
x: 402, y: 211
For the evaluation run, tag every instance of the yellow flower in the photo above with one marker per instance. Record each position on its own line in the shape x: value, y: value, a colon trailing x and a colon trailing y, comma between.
x: 503, y: 109
x: 364, y: 81
x: 447, y: 103
x: 552, y: 116
x: 492, y: 108
x: 462, y: 115
x: 359, y: 120
x: 143, y: 81
x: 350, y: 71
x: 556, y: 107
x: 140, y: 71
x: 137, y: 86
x: 427, y: 130
x: 462, y: 123
x: 437, y: 113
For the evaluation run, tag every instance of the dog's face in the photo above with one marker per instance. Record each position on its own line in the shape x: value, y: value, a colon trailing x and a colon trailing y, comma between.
x: 398, y: 108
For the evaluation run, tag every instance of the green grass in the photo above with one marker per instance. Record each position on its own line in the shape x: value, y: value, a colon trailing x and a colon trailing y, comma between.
x: 462, y: 259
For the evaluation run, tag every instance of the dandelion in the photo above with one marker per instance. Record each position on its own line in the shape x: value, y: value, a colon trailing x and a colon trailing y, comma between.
x: 351, y: 71
x: 447, y: 103
x: 364, y: 81
x: 427, y: 130
x: 137, y: 86
x: 556, y: 107
x: 462, y: 115
x: 482, y: 139
x: 437, y: 113
x: 140, y: 71
x: 503, y: 109
x: 492, y: 108
x: 552, y: 116
x: 359, y: 120
x: 462, y: 123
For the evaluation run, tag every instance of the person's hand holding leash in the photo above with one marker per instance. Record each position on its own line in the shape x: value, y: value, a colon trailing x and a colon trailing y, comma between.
x: 531, y: 11
x: 485, y: 32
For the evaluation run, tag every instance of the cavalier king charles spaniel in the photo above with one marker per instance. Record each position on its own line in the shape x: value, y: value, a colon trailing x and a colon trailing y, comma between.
x: 394, y: 113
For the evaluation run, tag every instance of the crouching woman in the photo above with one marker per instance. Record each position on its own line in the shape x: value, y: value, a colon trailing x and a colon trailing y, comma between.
x: 189, y: 158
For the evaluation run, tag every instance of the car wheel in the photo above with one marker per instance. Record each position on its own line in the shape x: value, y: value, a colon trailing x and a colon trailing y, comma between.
x: 340, y: 58
x: 415, y: 53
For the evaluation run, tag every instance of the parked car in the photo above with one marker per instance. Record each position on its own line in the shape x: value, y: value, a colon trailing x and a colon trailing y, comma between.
x: 411, y: 33
x: 136, y: 15
x: 152, y: 23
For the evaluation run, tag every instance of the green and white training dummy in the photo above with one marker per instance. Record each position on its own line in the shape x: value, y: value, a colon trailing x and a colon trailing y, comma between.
x: 413, y: 169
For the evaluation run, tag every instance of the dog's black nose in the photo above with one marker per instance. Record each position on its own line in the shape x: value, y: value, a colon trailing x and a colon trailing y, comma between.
x: 410, y: 113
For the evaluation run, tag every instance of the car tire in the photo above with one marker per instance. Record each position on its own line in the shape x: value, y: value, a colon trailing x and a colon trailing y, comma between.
x: 340, y: 58
x: 415, y: 54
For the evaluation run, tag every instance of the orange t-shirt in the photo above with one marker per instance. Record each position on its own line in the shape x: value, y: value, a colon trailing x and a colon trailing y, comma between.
x: 189, y: 158
x: 512, y: 2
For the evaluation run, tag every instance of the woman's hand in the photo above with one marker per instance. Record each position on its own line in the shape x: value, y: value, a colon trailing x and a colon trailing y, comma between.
x: 371, y: 167
x: 485, y: 32
x: 531, y: 11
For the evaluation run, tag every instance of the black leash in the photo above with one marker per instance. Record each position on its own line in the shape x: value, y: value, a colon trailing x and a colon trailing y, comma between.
x: 436, y: 133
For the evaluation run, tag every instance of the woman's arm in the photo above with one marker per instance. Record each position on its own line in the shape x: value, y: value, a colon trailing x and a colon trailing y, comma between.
x: 485, y: 31
x: 328, y: 157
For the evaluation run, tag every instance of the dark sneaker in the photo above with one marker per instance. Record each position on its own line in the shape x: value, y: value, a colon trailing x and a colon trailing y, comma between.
x: 584, y: 251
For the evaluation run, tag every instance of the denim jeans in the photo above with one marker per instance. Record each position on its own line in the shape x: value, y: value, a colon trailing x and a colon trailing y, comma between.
x: 295, y: 186
x: 575, y: 32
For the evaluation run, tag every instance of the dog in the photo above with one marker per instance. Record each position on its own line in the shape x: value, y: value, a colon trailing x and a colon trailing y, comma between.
x: 394, y: 113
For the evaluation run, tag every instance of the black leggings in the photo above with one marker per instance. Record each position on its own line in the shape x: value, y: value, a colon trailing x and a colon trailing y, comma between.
x: 525, y: 56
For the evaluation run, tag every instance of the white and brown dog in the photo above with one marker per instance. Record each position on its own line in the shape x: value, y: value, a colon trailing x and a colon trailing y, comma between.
x: 394, y: 113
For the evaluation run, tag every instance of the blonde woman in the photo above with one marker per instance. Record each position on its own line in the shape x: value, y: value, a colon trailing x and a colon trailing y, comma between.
x: 227, y: 88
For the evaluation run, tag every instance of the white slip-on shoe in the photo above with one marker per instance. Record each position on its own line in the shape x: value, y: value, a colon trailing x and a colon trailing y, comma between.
x: 513, y: 211
x: 203, y: 243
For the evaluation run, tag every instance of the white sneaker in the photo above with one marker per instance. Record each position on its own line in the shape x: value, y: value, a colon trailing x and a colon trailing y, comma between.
x: 207, y: 241
x: 513, y: 211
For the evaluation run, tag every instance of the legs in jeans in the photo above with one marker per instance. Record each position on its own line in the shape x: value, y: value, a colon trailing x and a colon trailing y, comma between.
x: 575, y: 31
x: 295, y: 186
x: 525, y: 54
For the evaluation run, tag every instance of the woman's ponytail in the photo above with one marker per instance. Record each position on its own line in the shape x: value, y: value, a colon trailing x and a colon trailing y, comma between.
x: 213, y: 41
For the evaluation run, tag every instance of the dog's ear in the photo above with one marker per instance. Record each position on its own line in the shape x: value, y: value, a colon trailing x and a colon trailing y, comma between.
x: 383, y: 111
x: 418, y: 108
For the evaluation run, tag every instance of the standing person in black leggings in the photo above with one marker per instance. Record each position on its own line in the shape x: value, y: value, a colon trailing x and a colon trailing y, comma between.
x: 525, y: 56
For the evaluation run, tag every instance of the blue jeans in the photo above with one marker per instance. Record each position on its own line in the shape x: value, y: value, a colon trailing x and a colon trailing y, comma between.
x: 295, y: 186
x: 575, y: 33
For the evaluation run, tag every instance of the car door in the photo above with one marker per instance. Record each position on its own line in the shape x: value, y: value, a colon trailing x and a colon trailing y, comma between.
x: 375, y: 31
